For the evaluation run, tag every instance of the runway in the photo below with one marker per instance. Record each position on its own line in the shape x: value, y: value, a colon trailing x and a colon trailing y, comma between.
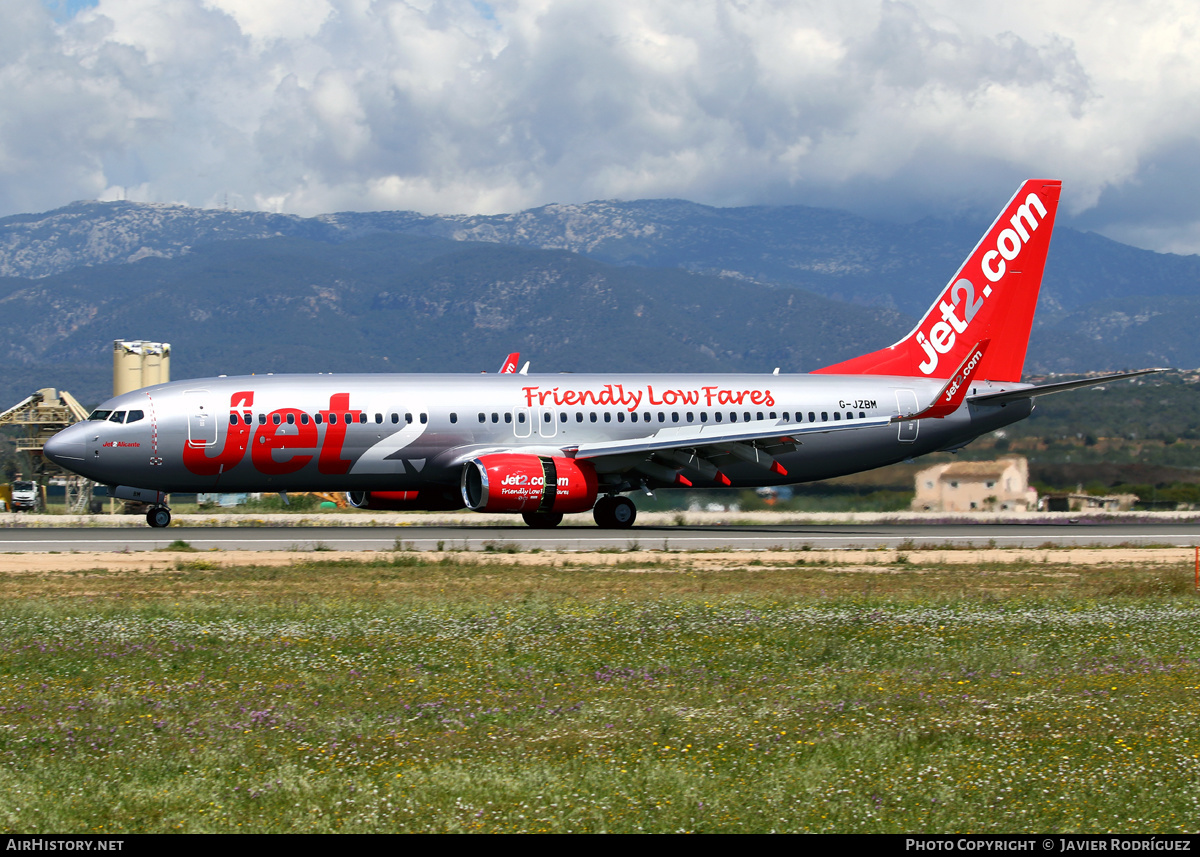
x: 586, y: 538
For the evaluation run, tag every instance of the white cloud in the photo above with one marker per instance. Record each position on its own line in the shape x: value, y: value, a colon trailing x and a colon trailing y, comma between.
x: 456, y: 106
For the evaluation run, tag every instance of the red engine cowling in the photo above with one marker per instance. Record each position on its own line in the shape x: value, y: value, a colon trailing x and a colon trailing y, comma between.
x: 401, y: 501
x: 509, y: 482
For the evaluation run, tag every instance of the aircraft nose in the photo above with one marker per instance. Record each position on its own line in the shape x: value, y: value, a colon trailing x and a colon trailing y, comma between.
x: 66, y: 447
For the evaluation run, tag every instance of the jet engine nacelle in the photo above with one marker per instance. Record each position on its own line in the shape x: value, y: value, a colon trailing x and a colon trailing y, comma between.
x: 510, y: 482
x: 401, y: 501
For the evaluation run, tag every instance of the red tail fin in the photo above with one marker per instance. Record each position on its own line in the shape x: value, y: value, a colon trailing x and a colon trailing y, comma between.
x: 993, y: 296
x: 510, y: 363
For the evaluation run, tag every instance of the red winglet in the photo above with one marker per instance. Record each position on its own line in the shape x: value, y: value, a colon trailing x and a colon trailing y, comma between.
x: 955, y: 391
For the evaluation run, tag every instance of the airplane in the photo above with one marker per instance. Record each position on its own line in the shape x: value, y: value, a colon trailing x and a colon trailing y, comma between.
x: 543, y: 446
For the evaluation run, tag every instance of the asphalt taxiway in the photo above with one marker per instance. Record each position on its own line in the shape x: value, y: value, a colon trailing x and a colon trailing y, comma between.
x: 588, y: 538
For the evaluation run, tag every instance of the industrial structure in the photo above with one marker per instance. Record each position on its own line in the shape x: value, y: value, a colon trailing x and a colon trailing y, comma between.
x: 138, y: 364
x: 39, y: 417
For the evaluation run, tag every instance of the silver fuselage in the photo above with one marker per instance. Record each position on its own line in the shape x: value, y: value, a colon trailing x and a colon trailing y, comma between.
x: 414, y: 432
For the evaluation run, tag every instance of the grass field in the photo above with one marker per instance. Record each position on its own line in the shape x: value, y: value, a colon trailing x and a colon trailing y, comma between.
x: 633, y: 692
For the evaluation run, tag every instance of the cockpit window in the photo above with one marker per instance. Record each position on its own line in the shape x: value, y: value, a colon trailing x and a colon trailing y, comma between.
x: 100, y: 415
x: 134, y: 416
x: 117, y: 417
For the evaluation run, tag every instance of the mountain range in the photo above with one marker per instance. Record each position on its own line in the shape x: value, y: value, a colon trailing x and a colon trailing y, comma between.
x: 646, y: 285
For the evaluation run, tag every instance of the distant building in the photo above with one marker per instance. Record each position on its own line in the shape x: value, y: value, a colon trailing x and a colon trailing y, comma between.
x: 976, y: 486
x: 1088, y: 503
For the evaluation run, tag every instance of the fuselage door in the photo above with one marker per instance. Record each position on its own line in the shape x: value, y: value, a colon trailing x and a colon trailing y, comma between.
x: 202, y: 422
x: 907, y: 402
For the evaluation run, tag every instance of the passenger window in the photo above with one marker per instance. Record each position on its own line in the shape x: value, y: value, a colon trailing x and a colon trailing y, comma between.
x: 378, y: 419
x: 562, y: 417
x: 733, y: 416
x: 760, y: 415
x: 785, y: 416
x: 772, y: 416
x: 521, y: 417
x: 275, y: 419
x: 262, y: 419
x: 674, y: 416
x: 424, y: 419
x: 836, y: 416
x: 233, y: 419
x: 304, y: 419
x: 645, y: 416
x: 812, y: 418
x: 291, y: 419
x: 546, y: 417
x: 483, y: 418
x: 454, y: 417
x: 362, y: 418
x: 495, y: 417
x: 662, y: 418
x: 824, y: 416
x: 691, y: 418
x: 717, y: 416
x: 593, y: 416
x: 746, y: 417
x: 579, y: 417
x: 849, y: 415
x: 633, y: 417
x: 703, y: 416
x: 507, y: 417
x: 395, y: 418
x: 317, y: 418
x: 247, y: 418
x: 862, y: 415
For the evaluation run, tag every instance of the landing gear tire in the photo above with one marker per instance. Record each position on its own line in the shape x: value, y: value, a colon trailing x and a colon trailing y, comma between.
x: 614, y: 513
x: 159, y: 517
x: 542, y: 520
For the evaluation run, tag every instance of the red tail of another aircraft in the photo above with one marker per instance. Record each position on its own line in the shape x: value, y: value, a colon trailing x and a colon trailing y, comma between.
x: 993, y: 296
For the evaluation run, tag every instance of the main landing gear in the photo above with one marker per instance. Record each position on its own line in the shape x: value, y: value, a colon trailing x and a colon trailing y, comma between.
x: 158, y: 517
x: 614, y: 513
x: 611, y: 513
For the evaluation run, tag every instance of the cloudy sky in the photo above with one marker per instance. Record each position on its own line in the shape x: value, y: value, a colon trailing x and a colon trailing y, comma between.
x: 889, y: 109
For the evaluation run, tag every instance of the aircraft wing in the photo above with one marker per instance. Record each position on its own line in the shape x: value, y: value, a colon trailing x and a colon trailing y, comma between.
x: 698, y: 437
x: 707, y: 449
x: 1061, y: 387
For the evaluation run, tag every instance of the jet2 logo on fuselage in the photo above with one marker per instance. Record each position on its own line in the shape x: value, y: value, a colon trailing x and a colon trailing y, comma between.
x: 993, y: 265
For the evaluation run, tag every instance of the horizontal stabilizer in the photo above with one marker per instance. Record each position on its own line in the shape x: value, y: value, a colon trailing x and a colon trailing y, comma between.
x: 1061, y: 387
